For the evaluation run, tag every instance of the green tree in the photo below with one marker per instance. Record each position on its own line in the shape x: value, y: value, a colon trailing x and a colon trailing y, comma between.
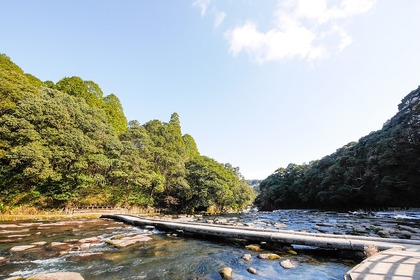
x: 115, y: 114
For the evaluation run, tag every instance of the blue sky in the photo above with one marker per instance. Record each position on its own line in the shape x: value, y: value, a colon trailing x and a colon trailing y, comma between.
x: 259, y: 84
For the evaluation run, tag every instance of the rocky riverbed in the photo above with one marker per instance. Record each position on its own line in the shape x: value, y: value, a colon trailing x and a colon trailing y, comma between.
x: 393, y: 224
x: 105, y: 249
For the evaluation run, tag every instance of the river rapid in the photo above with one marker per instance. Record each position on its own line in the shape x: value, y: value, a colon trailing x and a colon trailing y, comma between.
x: 83, y: 246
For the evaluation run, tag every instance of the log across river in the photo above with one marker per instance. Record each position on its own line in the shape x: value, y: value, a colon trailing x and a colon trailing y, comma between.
x: 399, y: 259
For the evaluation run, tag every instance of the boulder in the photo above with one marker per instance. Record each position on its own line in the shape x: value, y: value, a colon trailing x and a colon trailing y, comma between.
x: 360, y: 229
x: 280, y: 225
x: 2, y: 260
x: 60, y: 245
x: 57, y: 276
x: 269, y: 256
x: 247, y: 257
x: 39, y: 243
x: 221, y: 221
x: 370, y: 250
x: 408, y: 228
x: 90, y: 240
x: 226, y: 273
x: 386, y: 232
x: 287, y: 264
x: 85, y: 256
x: 129, y: 240
x: 84, y: 246
x: 405, y: 234
x: 251, y: 270
x: 21, y: 248
x: 71, y: 241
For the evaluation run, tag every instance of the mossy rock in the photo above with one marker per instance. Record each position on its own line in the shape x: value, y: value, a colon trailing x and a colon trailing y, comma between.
x: 269, y: 256
x: 254, y: 248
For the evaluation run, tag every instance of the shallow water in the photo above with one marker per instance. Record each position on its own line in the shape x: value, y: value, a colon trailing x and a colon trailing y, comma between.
x: 165, y: 257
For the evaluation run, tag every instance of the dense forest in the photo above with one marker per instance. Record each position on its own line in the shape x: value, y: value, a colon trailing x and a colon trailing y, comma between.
x: 381, y: 170
x: 65, y: 144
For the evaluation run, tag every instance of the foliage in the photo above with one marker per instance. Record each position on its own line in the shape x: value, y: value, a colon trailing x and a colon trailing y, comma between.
x: 381, y: 170
x: 212, y: 184
x: 65, y: 144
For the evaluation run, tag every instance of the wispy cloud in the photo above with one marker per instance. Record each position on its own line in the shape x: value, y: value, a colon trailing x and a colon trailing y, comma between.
x: 207, y: 7
x: 202, y: 5
x: 219, y: 17
x: 302, y: 29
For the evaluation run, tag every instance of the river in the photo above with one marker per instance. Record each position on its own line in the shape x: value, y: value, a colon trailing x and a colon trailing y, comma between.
x: 58, y: 246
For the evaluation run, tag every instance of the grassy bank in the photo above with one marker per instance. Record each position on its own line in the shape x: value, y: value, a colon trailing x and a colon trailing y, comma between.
x: 27, y: 213
x: 44, y: 217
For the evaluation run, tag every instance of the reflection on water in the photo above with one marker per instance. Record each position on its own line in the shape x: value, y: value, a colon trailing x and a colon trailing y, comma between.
x: 165, y: 257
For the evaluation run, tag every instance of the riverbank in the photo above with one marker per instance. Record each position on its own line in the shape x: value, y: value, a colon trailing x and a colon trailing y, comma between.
x: 46, y: 217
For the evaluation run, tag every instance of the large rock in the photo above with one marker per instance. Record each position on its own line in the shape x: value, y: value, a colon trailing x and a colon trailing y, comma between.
x: 410, y: 229
x: 129, y: 240
x: 39, y: 243
x: 251, y: 270
x: 60, y: 245
x: 21, y: 248
x: 90, y: 240
x: 57, y: 276
x: 370, y: 250
x: 247, y: 257
x: 226, y: 273
x: 287, y: 264
x: 86, y: 256
x: 269, y: 256
x: 254, y: 248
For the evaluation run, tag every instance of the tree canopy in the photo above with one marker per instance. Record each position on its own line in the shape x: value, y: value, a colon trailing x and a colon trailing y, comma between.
x: 67, y: 144
x: 381, y: 170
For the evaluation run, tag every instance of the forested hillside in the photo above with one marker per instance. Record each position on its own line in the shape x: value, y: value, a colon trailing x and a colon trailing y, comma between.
x: 66, y: 144
x: 381, y: 170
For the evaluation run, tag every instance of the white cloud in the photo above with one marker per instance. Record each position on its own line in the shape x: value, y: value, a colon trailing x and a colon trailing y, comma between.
x: 296, y: 41
x: 303, y: 29
x: 202, y: 5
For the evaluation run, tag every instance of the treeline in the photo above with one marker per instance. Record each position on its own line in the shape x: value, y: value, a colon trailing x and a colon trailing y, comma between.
x: 66, y: 144
x: 381, y: 170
